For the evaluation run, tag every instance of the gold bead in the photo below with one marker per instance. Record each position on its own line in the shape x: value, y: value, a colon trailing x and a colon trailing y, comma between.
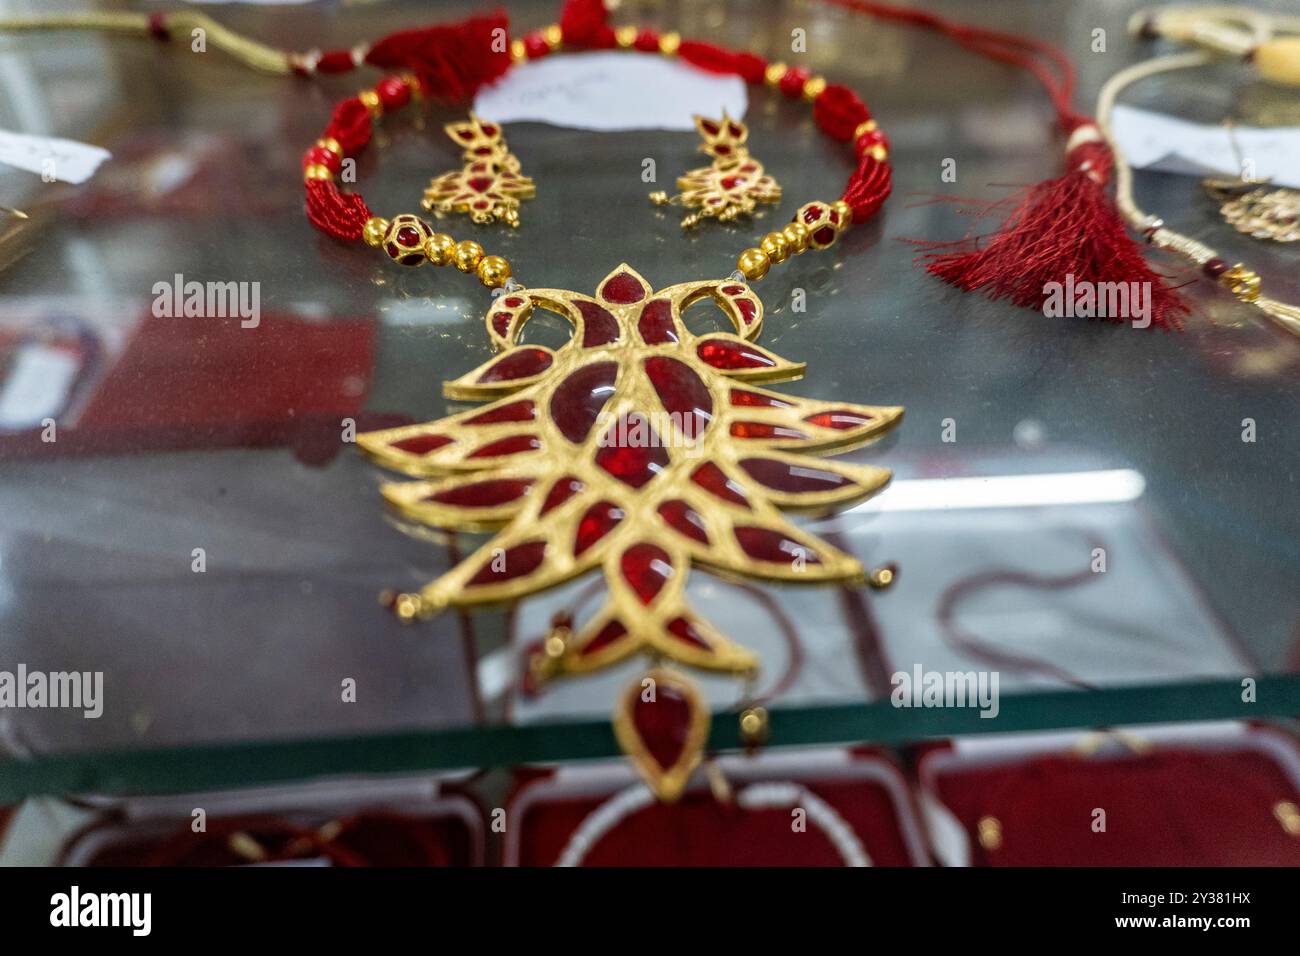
x: 317, y: 171
x: 1288, y: 814
x: 372, y: 102
x: 493, y: 271
x: 878, y: 152
x: 796, y: 236
x: 814, y: 87
x: 553, y: 35
x: 1242, y: 282
x: 414, y: 84
x: 1278, y: 61
x: 990, y: 833
x: 408, y: 607
x: 845, y: 212
x: 870, y: 126
x: 670, y: 43
x: 775, y: 247
x: 625, y: 37
x: 468, y: 254
x: 440, y: 248
x: 882, y: 577
x: 332, y: 144
x: 754, y: 263
x: 772, y: 75
x: 755, y: 726
x: 374, y: 231
x: 518, y: 52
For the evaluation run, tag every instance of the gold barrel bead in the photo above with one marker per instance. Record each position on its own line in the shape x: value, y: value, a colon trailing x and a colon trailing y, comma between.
x: 468, y: 254
x: 440, y: 249
x: 796, y: 237
x: 754, y: 263
x: 774, y: 72
x: 493, y: 271
x: 775, y: 247
x: 332, y: 144
x: 625, y: 37
x: 670, y: 43
x: 814, y: 87
x: 374, y: 231
x: 317, y: 171
x: 372, y: 102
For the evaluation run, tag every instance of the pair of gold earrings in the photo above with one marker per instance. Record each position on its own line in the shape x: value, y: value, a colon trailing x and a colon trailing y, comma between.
x: 489, y: 186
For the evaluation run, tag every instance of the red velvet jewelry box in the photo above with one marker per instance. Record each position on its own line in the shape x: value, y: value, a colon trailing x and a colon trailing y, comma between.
x: 393, y: 823
x: 1192, y: 795
x: 863, y: 792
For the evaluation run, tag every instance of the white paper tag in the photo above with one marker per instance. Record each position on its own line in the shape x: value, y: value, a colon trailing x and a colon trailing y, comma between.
x: 63, y: 159
x: 610, y: 91
x: 1165, y: 143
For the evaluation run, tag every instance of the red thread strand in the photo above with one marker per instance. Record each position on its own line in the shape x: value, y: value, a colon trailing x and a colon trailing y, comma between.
x: 339, y: 214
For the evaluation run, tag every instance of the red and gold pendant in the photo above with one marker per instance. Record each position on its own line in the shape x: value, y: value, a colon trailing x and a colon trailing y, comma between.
x: 641, y: 449
x: 489, y: 186
x: 731, y: 186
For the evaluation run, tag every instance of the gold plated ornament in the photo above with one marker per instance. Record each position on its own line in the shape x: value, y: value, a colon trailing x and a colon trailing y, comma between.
x: 1256, y: 210
x: 732, y: 186
x: 489, y: 186
x: 638, y: 448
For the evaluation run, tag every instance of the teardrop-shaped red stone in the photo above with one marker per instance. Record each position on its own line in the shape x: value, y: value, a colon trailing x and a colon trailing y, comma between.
x: 521, y: 411
x: 484, y: 494
x: 521, y: 363
x: 725, y: 354
x: 623, y: 289
x: 599, y: 327
x: 578, y: 400
x: 712, y: 479
x: 421, y: 444
x: 631, y: 451
x: 765, y: 430
x: 764, y: 544
x: 682, y: 393
x: 684, y: 630
x: 840, y: 418
x: 611, y: 632
x: 797, y: 479
x: 663, y: 724
x: 647, y: 568
x: 511, y: 445
x: 754, y: 400
x: 514, y: 563
x: 656, y: 323
x: 600, y: 519
x: 684, y: 519
x: 560, y: 492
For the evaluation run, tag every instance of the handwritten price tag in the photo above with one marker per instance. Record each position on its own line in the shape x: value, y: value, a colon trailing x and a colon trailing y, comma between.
x: 64, y: 160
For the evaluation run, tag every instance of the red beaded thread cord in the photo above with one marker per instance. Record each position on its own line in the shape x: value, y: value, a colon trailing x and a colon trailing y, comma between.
x: 837, y: 110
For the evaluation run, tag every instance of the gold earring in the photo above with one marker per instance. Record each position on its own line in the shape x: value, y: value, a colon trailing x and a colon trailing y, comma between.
x: 489, y: 186
x: 1252, y: 209
x: 729, y: 187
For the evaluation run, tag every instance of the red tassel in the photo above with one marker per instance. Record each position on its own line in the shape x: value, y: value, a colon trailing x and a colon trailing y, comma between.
x: 341, y: 215
x: 714, y: 59
x: 868, y: 188
x: 452, y: 61
x: 584, y: 24
x: 839, y: 112
x: 1067, y: 226
x: 350, y: 125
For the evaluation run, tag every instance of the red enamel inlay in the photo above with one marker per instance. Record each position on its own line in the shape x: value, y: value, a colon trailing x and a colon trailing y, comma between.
x: 599, y: 327
x: 611, y: 632
x: 754, y: 400
x: 784, y: 476
x: 682, y: 394
x: 656, y: 323
x: 734, y: 130
x: 765, y: 430
x: 560, y: 492
x: 840, y: 418
x: 484, y: 494
x: 521, y: 411
x: 631, y: 451
x: 513, y: 302
x: 513, y: 445
x: 748, y: 310
x: 521, y: 363
x: 647, y: 568
x: 764, y: 544
x: 421, y: 444
x: 600, y: 519
x: 731, y: 182
x: 488, y: 129
x: 501, y: 323
x: 682, y: 629
x: 623, y: 289
x: 713, y: 480
x: 722, y: 149
x: 578, y: 400
x: 812, y: 214
x: 824, y: 236
x: 733, y: 289
x: 663, y: 724
x: 408, y: 236
x: 709, y: 127
x: 514, y: 563
x: 465, y: 134
x: 725, y: 354
x: 684, y: 519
